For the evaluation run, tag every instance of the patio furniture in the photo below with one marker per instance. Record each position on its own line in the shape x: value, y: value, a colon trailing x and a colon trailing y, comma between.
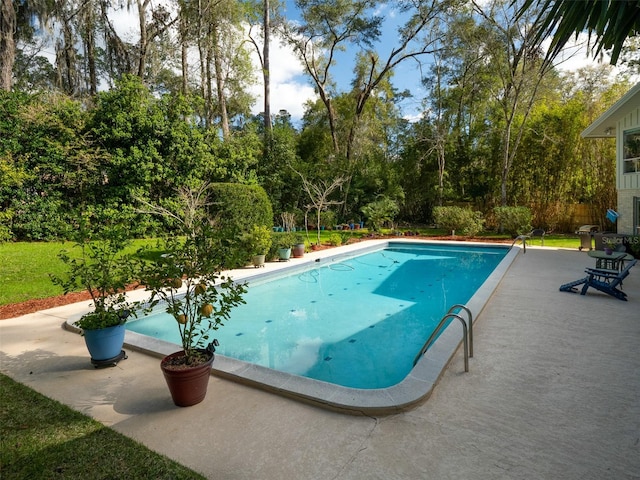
x: 537, y: 233
x: 606, y: 281
x: 610, y: 261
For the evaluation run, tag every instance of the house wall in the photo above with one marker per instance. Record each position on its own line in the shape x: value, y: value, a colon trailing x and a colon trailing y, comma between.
x: 628, y: 184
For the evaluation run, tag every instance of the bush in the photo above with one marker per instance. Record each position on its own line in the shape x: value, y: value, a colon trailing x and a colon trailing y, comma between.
x: 327, y: 218
x: 5, y: 231
x: 382, y: 210
x: 258, y: 240
x: 335, y: 239
x: 513, y: 220
x: 282, y: 240
x: 237, y: 207
x: 40, y: 219
x: 462, y: 220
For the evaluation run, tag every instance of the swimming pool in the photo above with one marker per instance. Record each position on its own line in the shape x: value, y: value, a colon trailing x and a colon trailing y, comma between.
x: 415, y: 383
x: 332, y: 320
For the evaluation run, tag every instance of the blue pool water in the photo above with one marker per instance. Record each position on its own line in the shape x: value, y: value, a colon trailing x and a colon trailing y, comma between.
x: 357, y: 322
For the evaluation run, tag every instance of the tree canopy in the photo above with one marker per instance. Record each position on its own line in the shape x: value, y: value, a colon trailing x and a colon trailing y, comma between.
x: 114, y: 123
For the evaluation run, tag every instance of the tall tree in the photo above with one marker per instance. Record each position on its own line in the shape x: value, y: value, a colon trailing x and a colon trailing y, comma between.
x: 328, y: 27
x: 153, y: 23
x: 17, y: 23
x: 270, y: 16
x: 224, y: 64
x: 516, y: 60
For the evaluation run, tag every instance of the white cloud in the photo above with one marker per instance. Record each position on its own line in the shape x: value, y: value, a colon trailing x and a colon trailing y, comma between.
x: 577, y: 55
x: 126, y: 23
x: 290, y: 89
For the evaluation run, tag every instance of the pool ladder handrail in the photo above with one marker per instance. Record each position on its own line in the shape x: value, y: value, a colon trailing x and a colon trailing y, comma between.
x: 523, y: 238
x: 467, y: 334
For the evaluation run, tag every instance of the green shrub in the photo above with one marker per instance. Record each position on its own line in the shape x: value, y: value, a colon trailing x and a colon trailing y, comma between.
x: 258, y: 240
x: 327, y: 218
x: 380, y: 211
x: 281, y: 240
x: 236, y: 207
x: 462, y: 220
x: 5, y: 230
x: 335, y: 239
x: 513, y: 220
x: 40, y: 219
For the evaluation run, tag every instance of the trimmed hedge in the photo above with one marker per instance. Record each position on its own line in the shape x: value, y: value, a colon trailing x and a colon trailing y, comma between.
x: 236, y: 209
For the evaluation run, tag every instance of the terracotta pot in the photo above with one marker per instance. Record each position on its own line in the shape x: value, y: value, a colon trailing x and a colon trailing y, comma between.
x: 298, y: 250
x: 188, y: 385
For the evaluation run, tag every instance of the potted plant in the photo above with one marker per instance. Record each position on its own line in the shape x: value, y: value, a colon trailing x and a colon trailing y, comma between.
x: 298, y: 246
x: 258, y: 242
x: 283, y: 242
x: 185, y: 276
x: 103, y: 269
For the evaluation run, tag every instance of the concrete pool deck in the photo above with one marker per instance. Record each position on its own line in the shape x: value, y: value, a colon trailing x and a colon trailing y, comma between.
x: 553, y: 391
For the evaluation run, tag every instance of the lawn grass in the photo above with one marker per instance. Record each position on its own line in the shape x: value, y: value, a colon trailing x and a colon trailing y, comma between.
x: 42, y: 439
x: 25, y: 266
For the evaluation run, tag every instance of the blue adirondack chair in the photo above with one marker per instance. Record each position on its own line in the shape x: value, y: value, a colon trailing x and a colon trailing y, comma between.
x: 606, y: 281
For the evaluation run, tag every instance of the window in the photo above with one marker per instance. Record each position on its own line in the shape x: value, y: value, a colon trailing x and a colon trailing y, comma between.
x: 631, y: 153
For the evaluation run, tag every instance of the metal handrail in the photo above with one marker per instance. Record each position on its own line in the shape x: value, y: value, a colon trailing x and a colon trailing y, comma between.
x: 470, y: 326
x: 523, y: 238
x: 432, y: 338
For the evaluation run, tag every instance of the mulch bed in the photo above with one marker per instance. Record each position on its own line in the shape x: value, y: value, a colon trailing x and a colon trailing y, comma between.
x: 31, y: 306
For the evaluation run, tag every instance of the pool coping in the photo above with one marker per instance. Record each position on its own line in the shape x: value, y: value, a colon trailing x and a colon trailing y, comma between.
x: 412, y: 391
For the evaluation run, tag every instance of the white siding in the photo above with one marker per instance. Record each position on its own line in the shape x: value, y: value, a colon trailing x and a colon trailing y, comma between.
x: 627, y: 180
x: 628, y: 183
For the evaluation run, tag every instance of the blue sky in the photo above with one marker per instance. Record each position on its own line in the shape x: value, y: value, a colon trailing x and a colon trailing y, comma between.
x: 291, y: 87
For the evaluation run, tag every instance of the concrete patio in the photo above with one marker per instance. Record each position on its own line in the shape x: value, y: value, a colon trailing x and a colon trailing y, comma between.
x: 553, y: 392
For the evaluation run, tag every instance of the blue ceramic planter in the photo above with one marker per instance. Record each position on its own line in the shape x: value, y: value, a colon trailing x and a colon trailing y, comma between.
x: 105, y: 343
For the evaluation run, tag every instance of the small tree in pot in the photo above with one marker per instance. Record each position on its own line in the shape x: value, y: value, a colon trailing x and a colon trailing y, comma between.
x: 103, y: 269
x: 258, y: 242
x: 186, y: 279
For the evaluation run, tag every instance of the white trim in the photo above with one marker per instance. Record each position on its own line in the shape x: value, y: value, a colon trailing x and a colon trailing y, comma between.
x: 605, y: 125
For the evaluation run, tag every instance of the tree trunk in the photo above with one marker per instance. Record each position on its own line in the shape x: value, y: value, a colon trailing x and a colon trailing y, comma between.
x: 184, y: 53
x: 144, y: 40
x: 90, y: 49
x: 220, y: 81
x: 266, y: 70
x: 7, y: 43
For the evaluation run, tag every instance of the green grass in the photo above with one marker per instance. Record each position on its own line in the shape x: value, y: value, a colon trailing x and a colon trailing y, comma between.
x: 43, y: 439
x: 25, y: 267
